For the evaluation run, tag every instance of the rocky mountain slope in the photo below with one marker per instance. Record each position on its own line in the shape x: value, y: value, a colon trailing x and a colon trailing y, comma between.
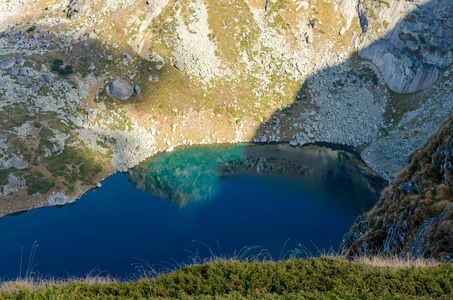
x: 91, y: 87
x: 414, y: 216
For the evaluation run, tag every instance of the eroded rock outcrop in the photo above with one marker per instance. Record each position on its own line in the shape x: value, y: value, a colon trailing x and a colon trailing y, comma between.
x: 409, y: 41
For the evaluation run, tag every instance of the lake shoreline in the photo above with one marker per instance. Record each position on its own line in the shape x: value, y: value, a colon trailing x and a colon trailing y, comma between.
x: 350, y: 149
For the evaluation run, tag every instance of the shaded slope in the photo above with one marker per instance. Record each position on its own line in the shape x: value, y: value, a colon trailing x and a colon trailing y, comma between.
x: 414, y: 216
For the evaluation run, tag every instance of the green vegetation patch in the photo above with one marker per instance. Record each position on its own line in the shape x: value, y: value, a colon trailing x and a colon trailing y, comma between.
x: 57, y: 66
x: 315, y: 278
x: 73, y: 165
x: 36, y: 183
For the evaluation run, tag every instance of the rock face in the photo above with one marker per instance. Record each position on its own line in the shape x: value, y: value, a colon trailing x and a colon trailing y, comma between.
x: 120, y: 89
x: 414, y: 217
x: 409, y: 41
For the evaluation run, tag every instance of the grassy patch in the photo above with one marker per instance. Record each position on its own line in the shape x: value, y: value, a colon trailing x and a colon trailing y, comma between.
x: 292, y: 279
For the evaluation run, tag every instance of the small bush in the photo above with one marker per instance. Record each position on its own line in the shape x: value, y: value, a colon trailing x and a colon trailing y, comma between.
x: 31, y: 29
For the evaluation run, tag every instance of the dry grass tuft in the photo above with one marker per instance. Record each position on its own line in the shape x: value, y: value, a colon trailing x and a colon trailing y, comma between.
x: 397, y: 262
x: 34, y: 284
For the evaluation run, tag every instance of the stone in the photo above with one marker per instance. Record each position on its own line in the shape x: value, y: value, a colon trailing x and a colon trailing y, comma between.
x: 48, y: 79
x: 60, y: 198
x: 7, y: 63
x: 314, y: 24
x: 13, y: 71
x: 136, y: 89
x: 22, y: 80
x: 127, y: 56
x: 20, y: 61
x: 409, y: 188
x: 120, y: 89
x: 35, y: 87
x: 24, y: 71
x: 179, y: 65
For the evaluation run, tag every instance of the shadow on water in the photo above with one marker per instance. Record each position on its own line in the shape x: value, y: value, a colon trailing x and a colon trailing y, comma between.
x: 192, y: 173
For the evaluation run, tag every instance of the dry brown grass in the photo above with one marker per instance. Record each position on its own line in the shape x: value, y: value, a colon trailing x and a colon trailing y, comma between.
x: 34, y: 284
x: 397, y: 262
x: 389, y: 261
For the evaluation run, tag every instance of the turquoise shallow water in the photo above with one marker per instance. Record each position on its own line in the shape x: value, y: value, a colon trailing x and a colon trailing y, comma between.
x: 225, y: 197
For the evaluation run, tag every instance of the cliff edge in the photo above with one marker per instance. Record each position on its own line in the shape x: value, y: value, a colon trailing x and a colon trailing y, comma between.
x: 414, y: 216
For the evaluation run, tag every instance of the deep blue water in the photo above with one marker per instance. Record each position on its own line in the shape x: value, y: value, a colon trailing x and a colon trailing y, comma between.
x: 109, y: 226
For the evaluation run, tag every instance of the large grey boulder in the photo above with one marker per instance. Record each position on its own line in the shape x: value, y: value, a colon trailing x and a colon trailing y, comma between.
x: 20, y: 61
x: 7, y: 63
x: 60, y: 198
x: 22, y: 80
x: 24, y: 71
x: 120, y: 89
x: 48, y: 78
x: 13, y: 71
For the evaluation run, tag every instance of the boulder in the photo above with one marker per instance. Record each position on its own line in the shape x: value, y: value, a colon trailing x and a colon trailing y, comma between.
x: 24, y: 71
x: 137, y: 89
x: 22, y: 80
x: 179, y: 65
x: 20, y: 61
x: 35, y: 87
x: 48, y: 79
x: 13, y: 71
x: 120, y: 89
x: 60, y: 198
x: 7, y: 63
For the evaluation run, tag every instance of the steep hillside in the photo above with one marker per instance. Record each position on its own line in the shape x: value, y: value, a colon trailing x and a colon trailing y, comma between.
x: 414, y: 216
x: 89, y: 87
